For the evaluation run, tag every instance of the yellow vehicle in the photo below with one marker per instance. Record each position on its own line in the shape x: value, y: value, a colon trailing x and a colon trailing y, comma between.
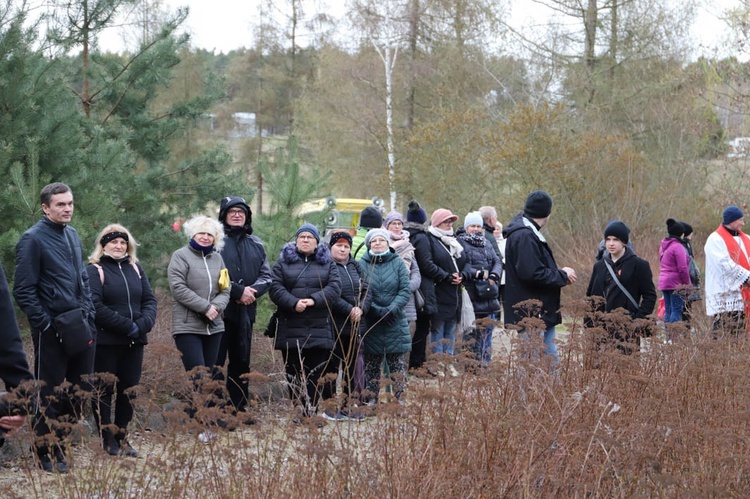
x: 340, y: 213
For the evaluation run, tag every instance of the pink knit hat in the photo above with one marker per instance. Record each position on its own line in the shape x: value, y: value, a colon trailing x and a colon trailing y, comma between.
x: 442, y: 215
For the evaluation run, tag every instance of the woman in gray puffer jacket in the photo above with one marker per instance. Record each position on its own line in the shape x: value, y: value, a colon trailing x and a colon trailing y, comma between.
x: 305, y: 285
x: 485, y: 267
x: 387, y: 334
x: 399, y: 241
x: 197, y: 301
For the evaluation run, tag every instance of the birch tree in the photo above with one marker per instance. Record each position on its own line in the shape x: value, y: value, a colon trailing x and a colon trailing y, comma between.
x: 386, y: 27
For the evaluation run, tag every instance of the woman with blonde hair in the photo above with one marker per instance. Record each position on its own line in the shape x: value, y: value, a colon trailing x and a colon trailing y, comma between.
x: 197, y: 298
x: 197, y: 301
x: 125, y: 314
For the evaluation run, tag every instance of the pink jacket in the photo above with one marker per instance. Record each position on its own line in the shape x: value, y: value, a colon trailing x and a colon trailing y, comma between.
x: 674, y: 268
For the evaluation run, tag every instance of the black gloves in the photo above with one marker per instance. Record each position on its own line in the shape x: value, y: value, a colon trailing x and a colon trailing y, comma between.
x: 134, y: 332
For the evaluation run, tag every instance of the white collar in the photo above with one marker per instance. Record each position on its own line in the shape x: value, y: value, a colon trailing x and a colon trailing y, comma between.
x: 528, y: 223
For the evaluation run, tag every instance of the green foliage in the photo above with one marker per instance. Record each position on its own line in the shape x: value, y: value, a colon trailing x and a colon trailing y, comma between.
x: 115, y: 151
x: 40, y: 132
x: 289, y: 186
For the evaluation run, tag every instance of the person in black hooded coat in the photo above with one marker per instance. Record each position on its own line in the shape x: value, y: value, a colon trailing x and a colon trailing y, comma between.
x: 531, y: 272
x: 305, y: 286
x: 250, y: 277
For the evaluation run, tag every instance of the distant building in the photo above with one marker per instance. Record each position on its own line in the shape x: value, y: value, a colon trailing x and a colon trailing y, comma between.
x: 244, y: 126
x: 739, y: 147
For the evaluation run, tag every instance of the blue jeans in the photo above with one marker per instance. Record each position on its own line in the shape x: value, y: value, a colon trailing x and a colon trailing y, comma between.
x: 481, y: 341
x: 674, y: 304
x: 442, y: 336
x: 549, y: 343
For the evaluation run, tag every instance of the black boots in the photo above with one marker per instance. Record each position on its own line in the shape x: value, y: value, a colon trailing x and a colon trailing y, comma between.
x: 117, y: 445
x: 45, y: 462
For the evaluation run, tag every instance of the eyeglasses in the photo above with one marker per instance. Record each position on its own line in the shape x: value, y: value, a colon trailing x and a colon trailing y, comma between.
x: 236, y: 212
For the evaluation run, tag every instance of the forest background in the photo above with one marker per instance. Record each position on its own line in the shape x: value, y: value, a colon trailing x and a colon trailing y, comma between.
x: 607, y: 107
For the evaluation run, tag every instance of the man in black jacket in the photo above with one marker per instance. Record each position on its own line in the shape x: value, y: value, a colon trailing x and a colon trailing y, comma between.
x: 250, y: 275
x: 531, y: 272
x: 14, y: 368
x: 639, y: 295
x: 489, y: 220
x: 50, y: 279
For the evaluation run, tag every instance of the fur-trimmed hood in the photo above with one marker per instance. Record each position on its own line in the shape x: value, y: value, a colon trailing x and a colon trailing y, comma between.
x: 289, y: 253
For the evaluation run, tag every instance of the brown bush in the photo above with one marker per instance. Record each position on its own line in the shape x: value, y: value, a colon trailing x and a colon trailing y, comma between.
x: 672, y: 420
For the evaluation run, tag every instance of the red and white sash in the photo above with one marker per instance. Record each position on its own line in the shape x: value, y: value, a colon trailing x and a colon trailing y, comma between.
x: 740, y: 258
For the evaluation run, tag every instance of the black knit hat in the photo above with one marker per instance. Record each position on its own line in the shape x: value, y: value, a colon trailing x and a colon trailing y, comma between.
x: 731, y: 214
x: 538, y: 205
x: 339, y: 235
x: 371, y: 218
x: 675, y: 228
x: 688, y: 228
x: 415, y: 213
x: 229, y: 202
x: 617, y: 229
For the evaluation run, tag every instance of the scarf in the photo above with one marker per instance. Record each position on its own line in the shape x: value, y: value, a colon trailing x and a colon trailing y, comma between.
x: 399, y: 237
x: 448, y: 239
x: 404, y: 249
x: 206, y: 250
x: 740, y: 258
x: 476, y: 240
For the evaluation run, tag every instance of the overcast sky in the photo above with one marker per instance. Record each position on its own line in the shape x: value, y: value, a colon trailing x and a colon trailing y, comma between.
x: 223, y: 25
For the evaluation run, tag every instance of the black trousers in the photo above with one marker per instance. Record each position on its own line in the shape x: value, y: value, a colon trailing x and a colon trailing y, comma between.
x: 418, y: 355
x: 199, y: 350
x: 304, y: 368
x: 729, y: 324
x: 58, y: 407
x: 237, y: 348
x: 125, y: 362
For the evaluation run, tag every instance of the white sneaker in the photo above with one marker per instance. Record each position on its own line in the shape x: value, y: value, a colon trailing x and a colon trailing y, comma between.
x: 453, y: 370
x: 207, y: 436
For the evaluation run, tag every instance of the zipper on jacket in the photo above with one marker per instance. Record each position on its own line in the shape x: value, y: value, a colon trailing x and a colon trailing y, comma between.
x: 127, y: 290
x: 351, y: 281
x: 210, y: 289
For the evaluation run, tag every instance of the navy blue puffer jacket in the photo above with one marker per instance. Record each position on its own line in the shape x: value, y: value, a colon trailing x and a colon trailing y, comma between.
x: 297, y: 276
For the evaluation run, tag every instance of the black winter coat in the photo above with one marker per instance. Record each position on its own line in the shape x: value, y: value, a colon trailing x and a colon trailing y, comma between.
x: 123, y: 299
x: 481, y: 258
x: 440, y: 268
x: 353, y: 294
x: 635, y: 275
x: 246, y: 261
x: 50, y: 275
x: 296, y: 276
x: 14, y: 368
x: 489, y: 235
x: 531, y: 273
x: 423, y: 255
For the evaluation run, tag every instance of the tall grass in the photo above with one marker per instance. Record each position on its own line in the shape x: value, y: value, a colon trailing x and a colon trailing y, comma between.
x: 670, y: 421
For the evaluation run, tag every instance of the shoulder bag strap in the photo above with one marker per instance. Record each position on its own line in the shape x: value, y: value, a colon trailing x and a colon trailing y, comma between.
x: 619, y: 284
x: 359, y: 247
